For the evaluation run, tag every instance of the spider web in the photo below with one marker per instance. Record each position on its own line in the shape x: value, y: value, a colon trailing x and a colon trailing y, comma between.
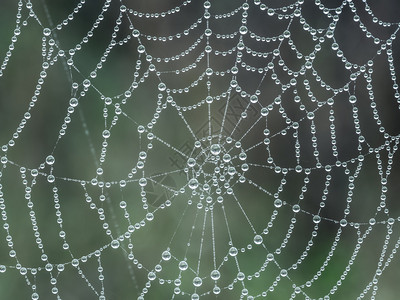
x: 197, y: 149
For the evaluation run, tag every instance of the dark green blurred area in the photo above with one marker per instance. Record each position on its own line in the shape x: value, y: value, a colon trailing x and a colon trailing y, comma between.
x: 77, y: 155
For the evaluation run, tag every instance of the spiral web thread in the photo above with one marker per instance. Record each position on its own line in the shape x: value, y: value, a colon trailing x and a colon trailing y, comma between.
x: 236, y: 172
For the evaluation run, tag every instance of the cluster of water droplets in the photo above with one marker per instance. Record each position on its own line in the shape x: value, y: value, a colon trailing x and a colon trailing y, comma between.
x: 218, y: 164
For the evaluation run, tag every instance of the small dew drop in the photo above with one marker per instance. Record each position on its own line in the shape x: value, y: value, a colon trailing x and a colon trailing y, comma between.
x: 149, y: 216
x: 51, y: 178
x: 143, y: 181
x: 166, y: 255
x: 75, y: 262
x: 278, y: 203
x: 195, y: 296
x: 296, y: 208
x: 115, y: 244
x: 352, y: 99
x: 191, y: 162
x: 316, y: 219
x: 240, y: 276
x: 162, y: 87
x: 151, y: 276
x: 35, y: 296
x: 106, y: 134
x: 50, y: 160
x: 193, y: 183
x: 233, y: 251
x: 197, y: 281
x: 86, y: 83
x: 258, y: 239
x: 215, y: 149
x: 253, y: 99
x: 215, y: 275
x: 226, y: 158
x: 183, y: 265
x: 73, y: 102
x: 284, y: 273
x: 46, y: 31
x: 243, y: 29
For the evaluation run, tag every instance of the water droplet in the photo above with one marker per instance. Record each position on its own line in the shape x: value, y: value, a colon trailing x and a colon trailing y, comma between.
x: 106, y: 134
x: 35, y: 296
x: 46, y: 31
x: 151, y: 276
x: 143, y: 181
x: 197, y: 281
x: 51, y: 178
x: 162, y: 87
x: 49, y: 267
x: 284, y: 273
x: 253, y: 99
x: 215, y: 275
x: 278, y: 203
x: 195, y: 296
x: 75, y: 262
x: 149, y: 216
x: 215, y: 149
x: 183, y: 265
x: 310, y: 115
x: 343, y: 222
x: 166, y: 255
x: 243, y: 29
x: 258, y: 239
x: 352, y: 99
x: 242, y: 156
x: 231, y: 171
x: 233, y: 251
x: 270, y: 257
x: 86, y: 83
x: 193, y: 183
x: 240, y: 276
x: 141, y: 49
x: 73, y: 102
x: 50, y: 160
x: 115, y: 244
x: 226, y: 158
x: 296, y: 208
x: 316, y: 219
x: 191, y: 162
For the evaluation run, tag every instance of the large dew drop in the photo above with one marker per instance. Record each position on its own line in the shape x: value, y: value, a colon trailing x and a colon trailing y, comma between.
x: 215, y: 149
x: 193, y: 183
